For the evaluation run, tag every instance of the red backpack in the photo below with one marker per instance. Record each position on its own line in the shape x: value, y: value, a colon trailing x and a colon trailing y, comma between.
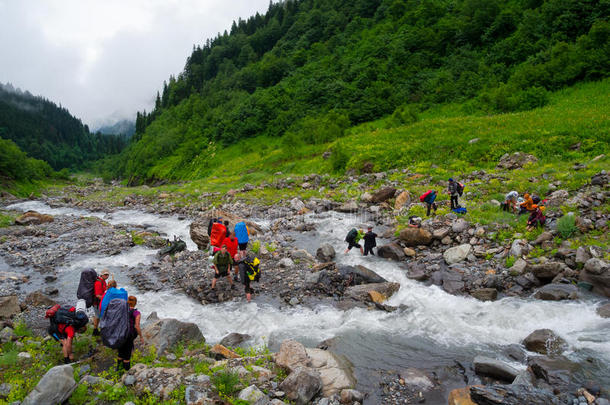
x: 424, y: 195
x: 219, y: 233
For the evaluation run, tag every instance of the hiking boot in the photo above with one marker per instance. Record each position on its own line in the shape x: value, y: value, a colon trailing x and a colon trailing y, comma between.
x: 232, y: 286
x: 96, y: 332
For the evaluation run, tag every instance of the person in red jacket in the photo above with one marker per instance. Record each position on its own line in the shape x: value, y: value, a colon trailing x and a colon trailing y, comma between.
x: 99, y: 289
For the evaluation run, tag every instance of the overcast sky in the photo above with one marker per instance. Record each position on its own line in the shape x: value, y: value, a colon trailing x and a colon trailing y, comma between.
x: 106, y: 58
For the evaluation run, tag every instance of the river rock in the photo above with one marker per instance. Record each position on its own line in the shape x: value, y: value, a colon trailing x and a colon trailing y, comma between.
x: 545, y: 271
x: 292, y: 354
x: 544, y: 341
x: 9, y: 306
x: 336, y: 372
x: 297, y: 204
x: 557, y: 292
x: 302, y: 385
x: 556, y: 371
x: 383, y: 194
x: 199, y: 234
x: 416, y: 236
x: 350, y: 396
x: 361, y: 292
x: 604, y: 310
x: 485, y: 294
x: 452, y: 281
x: 515, y: 161
x: 234, y: 339
x: 494, y: 368
x: 460, y: 396
x: 326, y: 252
x: 597, y: 273
x: 543, y: 237
x: 391, y: 251
x: 7, y: 334
x: 519, y: 248
x: 600, y: 179
x: 54, y: 387
x: 460, y: 225
x: 252, y: 395
x: 416, y: 379
x: 417, y: 273
x: 38, y: 299
x: 159, y: 381
x: 457, y: 254
x: 511, y: 395
x: 360, y: 275
x: 402, y: 199
x: 350, y: 206
x: 220, y: 352
x: 286, y: 263
x: 302, y: 255
x: 164, y: 334
x: 366, y: 197
x: 33, y: 218
x: 582, y: 255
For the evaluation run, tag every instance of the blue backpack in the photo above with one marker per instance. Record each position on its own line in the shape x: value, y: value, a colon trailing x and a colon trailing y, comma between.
x: 111, y: 294
x: 459, y: 210
x: 241, y: 232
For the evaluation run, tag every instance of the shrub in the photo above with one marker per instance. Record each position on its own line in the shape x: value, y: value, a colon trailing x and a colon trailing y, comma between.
x: 566, y: 226
x: 510, y: 260
x: 256, y: 246
x: 225, y: 381
x: 405, y: 115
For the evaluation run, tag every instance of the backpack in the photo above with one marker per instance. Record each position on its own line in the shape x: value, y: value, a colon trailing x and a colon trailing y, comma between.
x: 67, y: 315
x: 252, y: 270
x: 241, y: 232
x: 86, y: 285
x: 422, y: 197
x: 536, y: 199
x: 459, y: 210
x: 351, y: 235
x: 460, y: 188
x: 212, y: 221
x: 115, y: 324
x: 219, y: 233
x: 111, y: 294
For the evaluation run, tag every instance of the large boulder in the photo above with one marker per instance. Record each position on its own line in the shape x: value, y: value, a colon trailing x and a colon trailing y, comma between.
x: 362, y: 292
x: 604, y: 311
x: 457, y: 254
x: 252, y: 395
x: 545, y: 271
x: 164, y: 334
x: 515, y: 161
x: 597, y: 273
x: 511, y: 395
x: 519, y: 247
x: 33, y: 218
x: 9, y: 306
x: 402, y: 200
x: 383, y: 194
x: 302, y: 385
x: 54, y: 387
x: 460, y: 396
x: 391, y: 251
x: 485, y: 294
x: 325, y: 253
x: 557, y: 292
x: 544, y: 341
x: 415, y: 236
x: 234, y: 339
x: 335, y: 371
x: 199, y: 234
x: 460, y: 225
x: 494, y: 368
x: 360, y: 275
x: 292, y: 354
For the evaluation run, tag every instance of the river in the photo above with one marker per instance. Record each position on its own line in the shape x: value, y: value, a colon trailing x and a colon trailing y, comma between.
x: 431, y: 331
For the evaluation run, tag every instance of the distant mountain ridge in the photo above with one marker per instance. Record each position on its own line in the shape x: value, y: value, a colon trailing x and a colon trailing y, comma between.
x: 49, y: 132
x: 123, y: 127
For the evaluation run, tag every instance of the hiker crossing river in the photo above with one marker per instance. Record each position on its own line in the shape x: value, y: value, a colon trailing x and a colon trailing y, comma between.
x: 429, y: 329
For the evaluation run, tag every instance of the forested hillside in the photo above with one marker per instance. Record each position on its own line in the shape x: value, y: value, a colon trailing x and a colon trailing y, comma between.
x: 309, y: 69
x: 49, y: 132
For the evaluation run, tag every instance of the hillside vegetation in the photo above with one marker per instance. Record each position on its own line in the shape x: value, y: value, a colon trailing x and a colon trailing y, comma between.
x: 307, y: 72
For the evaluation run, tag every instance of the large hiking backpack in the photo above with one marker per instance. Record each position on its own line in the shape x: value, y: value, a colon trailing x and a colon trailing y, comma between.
x: 114, y: 326
x: 535, y: 199
x: 241, y: 232
x: 111, y: 294
x: 67, y: 315
x: 252, y: 268
x: 423, y: 197
x: 219, y: 233
x: 86, y: 285
x: 351, y: 235
x: 460, y: 188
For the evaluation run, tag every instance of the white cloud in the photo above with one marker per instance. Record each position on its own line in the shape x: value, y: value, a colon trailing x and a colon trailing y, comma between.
x: 106, y: 58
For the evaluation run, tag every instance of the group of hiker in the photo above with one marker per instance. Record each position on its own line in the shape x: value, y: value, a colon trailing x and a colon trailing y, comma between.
x: 455, y: 189
x: 528, y: 204
x: 230, y: 256
x: 115, y: 317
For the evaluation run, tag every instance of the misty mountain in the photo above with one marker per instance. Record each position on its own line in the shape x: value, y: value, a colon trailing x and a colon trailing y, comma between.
x: 123, y: 127
x: 48, y: 132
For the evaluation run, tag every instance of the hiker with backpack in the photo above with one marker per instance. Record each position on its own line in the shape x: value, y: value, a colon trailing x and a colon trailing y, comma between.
x: 99, y: 289
x: 249, y: 271
x: 369, y: 241
x: 527, y: 205
x: 536, y: 218
x: 353, y: 237
x: 242, y: 233
x: 429, y: 197
x: 65, y: 323
x: 111, y: 293
x: 510, y: 201
x: 454, y: 189
x: 222, y: 266
x: 126, y: 349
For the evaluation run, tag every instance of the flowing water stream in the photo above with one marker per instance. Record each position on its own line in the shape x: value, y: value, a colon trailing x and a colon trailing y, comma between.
x: 431, y: 331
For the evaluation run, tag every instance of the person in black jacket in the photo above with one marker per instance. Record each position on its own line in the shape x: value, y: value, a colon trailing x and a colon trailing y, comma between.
x: 369, y: 241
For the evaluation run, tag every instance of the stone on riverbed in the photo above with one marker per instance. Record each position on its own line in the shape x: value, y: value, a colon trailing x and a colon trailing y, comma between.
x: 361, y: 292
x: 164, y: 334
